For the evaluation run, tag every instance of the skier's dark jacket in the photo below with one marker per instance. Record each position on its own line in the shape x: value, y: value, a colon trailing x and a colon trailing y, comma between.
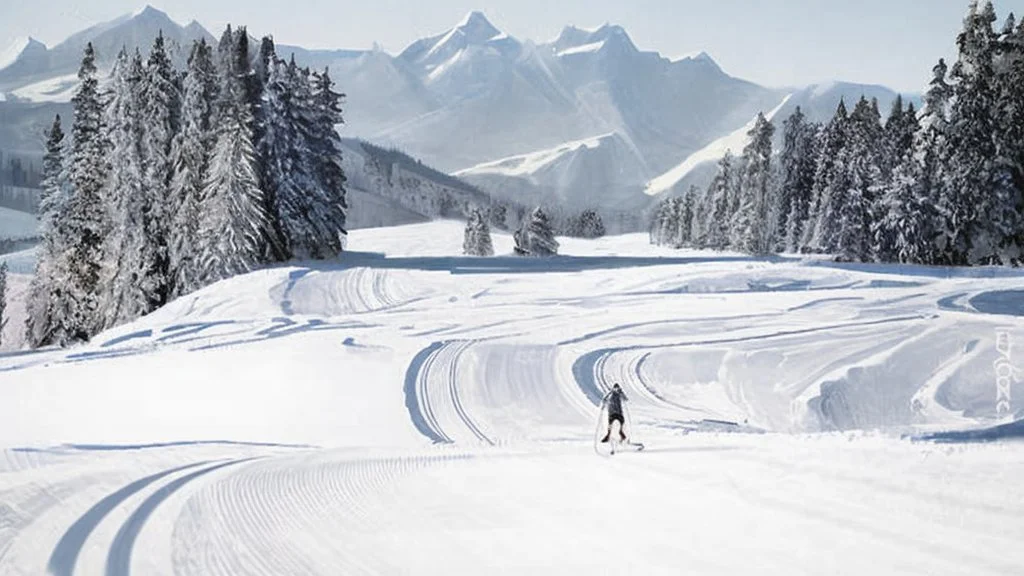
x: 614, y: 400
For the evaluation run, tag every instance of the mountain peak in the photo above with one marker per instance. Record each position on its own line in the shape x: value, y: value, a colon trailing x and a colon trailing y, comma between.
x: 476, y: 27
x: 700, y: 57
x: 150, y: 13
x: 573, y: 38
x: 19, y: 48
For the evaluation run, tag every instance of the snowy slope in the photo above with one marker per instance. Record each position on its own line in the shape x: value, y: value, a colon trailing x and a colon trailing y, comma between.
x: 405, y: 410
x: 16, y: 225
x: 10, y: 54
x: 712, y: 153
x: 59, y: 89
x: 599, y: 172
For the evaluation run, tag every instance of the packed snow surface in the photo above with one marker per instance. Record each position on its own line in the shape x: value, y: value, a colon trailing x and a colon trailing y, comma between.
x: 406, y: 410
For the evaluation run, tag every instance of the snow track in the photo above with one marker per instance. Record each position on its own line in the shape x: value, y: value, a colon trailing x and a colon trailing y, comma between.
x: 245, y: 523
x: 492, y: 392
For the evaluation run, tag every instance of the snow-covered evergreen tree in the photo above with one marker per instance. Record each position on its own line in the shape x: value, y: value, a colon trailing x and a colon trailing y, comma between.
x: 160, y: 117
x: 587, y: 225
x: 265, y: 59
x: 861, y: 158
x: 41, y: 327
x: 3, y: 300
x: 257, y: 85
x: 477, y: 238
x: 536, y: 237
x: 720, y: 196
x: 899, y: 131
x: 233, y: 229
x: 1010, y: 114
x: 131, y: 278
x: 822, y: 229
x: 979, y: 205
x: 302, y: 153
x: 904, y: 232
x: 664, y: 223
x: 330, y: 202
x: 498, y: 214
x: 753, y: 226
x: 83, y: 219
x: 799, y: 159
x: 287, y: 171
x: 686, y: 209
x: 190, y: 158
x: 930, y: 153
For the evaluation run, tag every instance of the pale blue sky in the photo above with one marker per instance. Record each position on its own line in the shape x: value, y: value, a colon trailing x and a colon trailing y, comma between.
x: 776, y: 43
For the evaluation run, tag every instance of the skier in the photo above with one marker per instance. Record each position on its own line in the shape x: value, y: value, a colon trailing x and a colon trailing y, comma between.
x: 614, y: 400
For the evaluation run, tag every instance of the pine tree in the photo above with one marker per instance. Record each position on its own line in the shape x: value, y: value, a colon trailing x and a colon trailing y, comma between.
x: 753, y: 227
x: 233, y: 229
x: 131, y: 281
x: 903, y: 229
x: 45, y: 289
x: 931, y: 152
x: 477, y: 239
x: 898, y: 135
x: 84, y: 218
x: 720, y: 194
x: 1010, y: 113
x: 498, y: 215
x: 257, y: 91
x: 265, y: 59
x: 190, y: 157
x: 287, y: 179
x: 904, y: 232
x: 331, y: 203
x: 684, y: 237
x: 592, y: 224
x: 798, y: 163
x: 536, y: 237
x: 861, y: 157
x: 979, y: 204
x: 822, y: 229
x: 160, y: 115
x: 225, y: 51
x: 3, y: 300
x: 701, y: 217
x: 664, y: 223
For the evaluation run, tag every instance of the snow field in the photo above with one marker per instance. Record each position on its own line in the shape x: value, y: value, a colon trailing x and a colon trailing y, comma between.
x: 407, y: 410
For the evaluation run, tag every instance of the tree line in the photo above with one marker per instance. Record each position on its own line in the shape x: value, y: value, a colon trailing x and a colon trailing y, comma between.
x: 171, y: 180
x: 940, y: 186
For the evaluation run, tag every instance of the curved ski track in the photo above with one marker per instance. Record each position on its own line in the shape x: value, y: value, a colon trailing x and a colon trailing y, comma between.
x: 246, y: 522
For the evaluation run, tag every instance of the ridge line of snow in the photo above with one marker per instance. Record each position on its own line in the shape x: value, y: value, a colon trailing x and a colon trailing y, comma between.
x: 14, y: 51
x: 734, y: 141
x: 584, y: 49
x: 529, y: 163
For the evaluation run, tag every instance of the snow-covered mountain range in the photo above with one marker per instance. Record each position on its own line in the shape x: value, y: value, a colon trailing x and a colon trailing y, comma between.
x: 587, y: 120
